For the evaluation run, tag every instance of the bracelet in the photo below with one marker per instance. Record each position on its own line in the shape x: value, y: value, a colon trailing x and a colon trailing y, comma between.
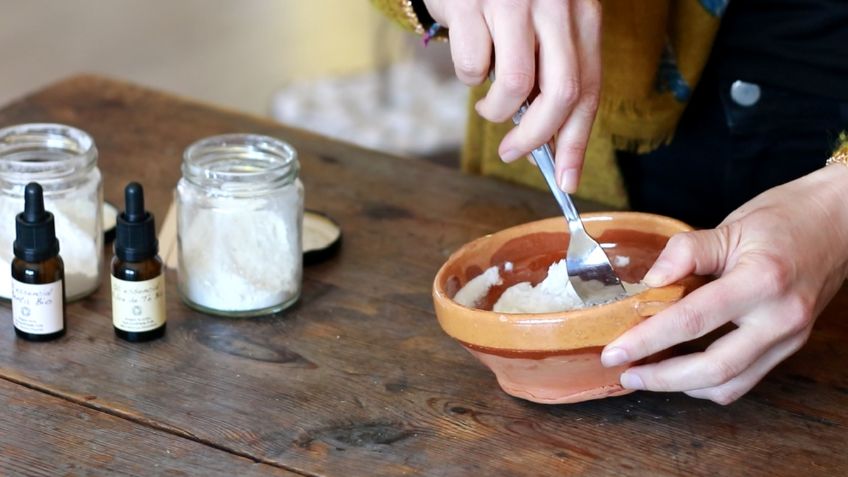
x: 430, y: 33
x: 841, y: 157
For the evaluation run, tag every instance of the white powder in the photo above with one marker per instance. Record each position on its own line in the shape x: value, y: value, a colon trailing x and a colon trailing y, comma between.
x: 621, y: 261
x: 553, y: 294
x: 76, y: 228
x: 477, y: 288
x: 241, y: 258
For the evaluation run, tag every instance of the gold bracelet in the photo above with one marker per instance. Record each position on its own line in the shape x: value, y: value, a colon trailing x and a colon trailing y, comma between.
x: 841, y: 157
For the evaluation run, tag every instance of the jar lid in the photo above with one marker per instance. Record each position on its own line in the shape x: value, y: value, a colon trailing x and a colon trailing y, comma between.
x: 322, y: 237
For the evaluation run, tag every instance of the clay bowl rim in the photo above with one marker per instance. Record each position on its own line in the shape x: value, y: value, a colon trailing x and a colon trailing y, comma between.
x: 575, y: 329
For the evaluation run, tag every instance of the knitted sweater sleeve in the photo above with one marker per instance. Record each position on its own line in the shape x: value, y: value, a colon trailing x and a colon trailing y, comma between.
x: 410, y: 14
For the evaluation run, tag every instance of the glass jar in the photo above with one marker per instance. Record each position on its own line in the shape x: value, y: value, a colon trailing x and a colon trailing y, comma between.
x: 240, y: 215
x: 64, y: 161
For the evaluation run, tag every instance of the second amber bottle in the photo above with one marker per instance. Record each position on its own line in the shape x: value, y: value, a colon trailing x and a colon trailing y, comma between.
x: 138, y: 284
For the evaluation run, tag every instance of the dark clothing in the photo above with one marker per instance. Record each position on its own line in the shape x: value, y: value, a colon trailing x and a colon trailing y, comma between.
x: 723, y: 153
x: 800, y: 45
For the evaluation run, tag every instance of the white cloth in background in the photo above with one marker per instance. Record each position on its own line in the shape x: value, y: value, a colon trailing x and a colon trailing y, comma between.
x: 405, y: 109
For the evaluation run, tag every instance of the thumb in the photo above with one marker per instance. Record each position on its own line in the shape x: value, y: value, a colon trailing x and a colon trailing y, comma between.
x: 703, y: 252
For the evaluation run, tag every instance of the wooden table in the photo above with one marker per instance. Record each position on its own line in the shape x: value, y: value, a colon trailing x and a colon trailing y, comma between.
x: 357, y: 379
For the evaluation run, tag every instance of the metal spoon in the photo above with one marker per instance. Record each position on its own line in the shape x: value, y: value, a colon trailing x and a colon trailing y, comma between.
x: 588, y: 266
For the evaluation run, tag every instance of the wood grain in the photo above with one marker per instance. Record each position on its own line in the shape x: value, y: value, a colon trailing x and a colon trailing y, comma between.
x: 67, y: 439
x: 358, y: 379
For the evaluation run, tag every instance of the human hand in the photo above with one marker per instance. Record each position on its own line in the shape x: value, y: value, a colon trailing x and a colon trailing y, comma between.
x: 779, y: 259
x: 552, y: 45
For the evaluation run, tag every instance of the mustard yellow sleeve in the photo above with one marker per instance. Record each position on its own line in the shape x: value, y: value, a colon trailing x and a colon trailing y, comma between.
x: 402, y: 12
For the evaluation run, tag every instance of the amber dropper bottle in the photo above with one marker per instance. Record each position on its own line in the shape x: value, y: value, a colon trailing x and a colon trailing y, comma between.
x: 138, y: 284
x: 38, y: 274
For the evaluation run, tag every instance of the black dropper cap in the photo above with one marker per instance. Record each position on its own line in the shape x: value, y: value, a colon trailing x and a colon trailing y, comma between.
x: 35, y: 231
x: 135, y: 237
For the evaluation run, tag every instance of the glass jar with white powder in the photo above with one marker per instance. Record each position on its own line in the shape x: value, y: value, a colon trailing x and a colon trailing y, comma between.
x: 63, y: 160
x: 240, y: 215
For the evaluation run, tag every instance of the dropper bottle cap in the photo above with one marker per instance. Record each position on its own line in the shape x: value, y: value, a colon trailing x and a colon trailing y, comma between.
x: 35, y: 232
x: 135, y: 236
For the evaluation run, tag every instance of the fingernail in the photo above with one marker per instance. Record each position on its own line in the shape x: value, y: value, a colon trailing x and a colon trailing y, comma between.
x: 613, y: 357
x: 632, y: 381
x: 510, y: 155
x: 658, y: 274
x: 568, y: 181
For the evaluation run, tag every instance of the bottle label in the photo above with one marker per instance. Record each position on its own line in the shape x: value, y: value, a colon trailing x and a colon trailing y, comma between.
x: 38, y: 309
x: 138, y: 306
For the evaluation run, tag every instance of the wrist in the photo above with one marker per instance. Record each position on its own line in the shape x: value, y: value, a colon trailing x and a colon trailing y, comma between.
x: 834, y: 176
x: 832, y: 181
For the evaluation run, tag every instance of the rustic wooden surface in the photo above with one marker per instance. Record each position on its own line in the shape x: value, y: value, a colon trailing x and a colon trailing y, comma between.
x: 358, y: 379
x: 64, y: 438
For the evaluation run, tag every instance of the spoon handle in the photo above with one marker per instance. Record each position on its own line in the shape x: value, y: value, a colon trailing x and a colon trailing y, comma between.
x: 544, y: 157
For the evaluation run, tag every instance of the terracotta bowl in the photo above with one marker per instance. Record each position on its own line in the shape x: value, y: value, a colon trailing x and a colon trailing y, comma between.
x: 554, y: 358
